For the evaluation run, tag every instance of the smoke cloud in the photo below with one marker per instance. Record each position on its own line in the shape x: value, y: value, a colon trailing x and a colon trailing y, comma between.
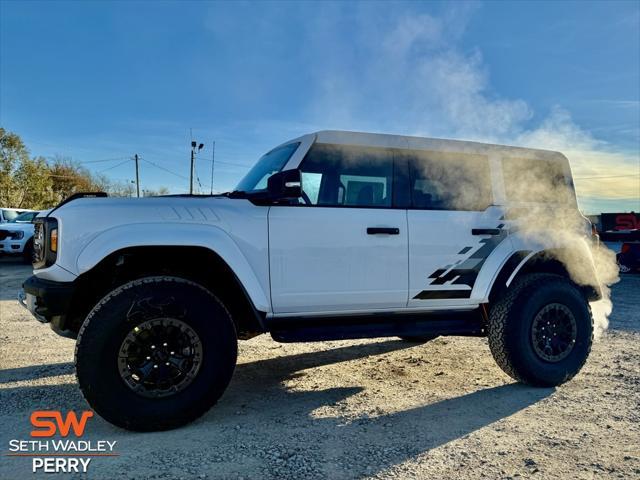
x: 418, y: 80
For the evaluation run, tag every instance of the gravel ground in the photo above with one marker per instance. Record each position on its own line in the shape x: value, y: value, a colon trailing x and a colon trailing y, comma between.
x: 353, y: 409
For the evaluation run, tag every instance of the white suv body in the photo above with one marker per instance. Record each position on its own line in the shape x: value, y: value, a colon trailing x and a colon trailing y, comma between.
x: 384, y: 232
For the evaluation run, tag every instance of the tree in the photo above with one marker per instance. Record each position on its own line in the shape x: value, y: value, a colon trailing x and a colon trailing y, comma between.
x: 12, y: 153
x: 27, y: 182
x: 69, y: 177
x: 33, y: 184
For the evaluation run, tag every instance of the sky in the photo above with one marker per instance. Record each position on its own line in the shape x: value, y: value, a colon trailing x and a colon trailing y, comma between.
x: 101, y: 81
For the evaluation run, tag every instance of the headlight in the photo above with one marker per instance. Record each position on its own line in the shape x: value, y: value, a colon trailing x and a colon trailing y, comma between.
x: 45, y: 242
x: 17, y: 235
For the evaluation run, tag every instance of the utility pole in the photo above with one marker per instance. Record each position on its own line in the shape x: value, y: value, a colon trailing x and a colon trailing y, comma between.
x: 213, y: 159
x: 193, y: 159
x: 137, y: 177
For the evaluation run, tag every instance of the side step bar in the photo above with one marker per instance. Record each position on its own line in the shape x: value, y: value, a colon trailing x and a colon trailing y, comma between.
x: 343, y: 327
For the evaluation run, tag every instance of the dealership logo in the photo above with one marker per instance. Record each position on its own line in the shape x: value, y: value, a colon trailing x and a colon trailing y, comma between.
x: 49, y: 427
x: 68, y: 454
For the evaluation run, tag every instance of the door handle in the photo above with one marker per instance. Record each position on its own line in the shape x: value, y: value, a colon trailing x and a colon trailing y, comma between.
x: 382, y: 231
x: 485, y: 231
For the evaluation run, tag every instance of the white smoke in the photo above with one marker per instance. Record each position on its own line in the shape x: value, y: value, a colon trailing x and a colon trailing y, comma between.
x: 415, y: 77
x: 418, y: 80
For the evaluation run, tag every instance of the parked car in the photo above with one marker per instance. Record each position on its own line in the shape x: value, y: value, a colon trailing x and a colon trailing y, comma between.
x: 8, y: 214
x: 629, y: 257
x: 16, y: 235
x: 333, y: 235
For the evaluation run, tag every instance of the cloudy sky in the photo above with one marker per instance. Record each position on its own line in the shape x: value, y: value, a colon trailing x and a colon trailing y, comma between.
x: 100, y: 81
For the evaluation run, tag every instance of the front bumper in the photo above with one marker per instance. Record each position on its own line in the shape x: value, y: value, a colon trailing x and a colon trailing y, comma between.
x: 12, y: 247
x: 48, y: 302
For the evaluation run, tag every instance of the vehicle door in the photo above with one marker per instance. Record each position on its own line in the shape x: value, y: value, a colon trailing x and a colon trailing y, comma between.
x: 344, y: 247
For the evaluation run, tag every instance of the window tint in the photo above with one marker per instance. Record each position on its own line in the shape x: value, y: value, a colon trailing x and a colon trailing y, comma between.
x: 536, y: 180
x: 337, y: 175
x: 449, y: 181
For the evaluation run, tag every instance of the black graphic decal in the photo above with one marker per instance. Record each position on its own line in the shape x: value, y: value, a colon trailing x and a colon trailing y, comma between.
x: 465, y: 272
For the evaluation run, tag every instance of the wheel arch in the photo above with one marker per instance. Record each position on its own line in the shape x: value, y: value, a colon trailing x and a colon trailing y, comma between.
x: 523, y: 262
x: 199, y: 264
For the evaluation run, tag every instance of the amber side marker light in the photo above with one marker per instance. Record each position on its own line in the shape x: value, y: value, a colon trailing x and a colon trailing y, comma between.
x: 54, y: 240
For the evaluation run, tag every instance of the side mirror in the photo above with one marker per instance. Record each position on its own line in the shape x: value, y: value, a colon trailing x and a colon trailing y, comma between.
x: 285, y: 184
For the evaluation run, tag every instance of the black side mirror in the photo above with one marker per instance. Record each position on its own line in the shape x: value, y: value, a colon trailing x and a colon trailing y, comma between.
x: 285, y: 184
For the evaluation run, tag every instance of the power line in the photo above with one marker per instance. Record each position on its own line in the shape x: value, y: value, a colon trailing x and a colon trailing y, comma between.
x: 114, y: 166
x: 105, y: 160
x: 87, y: 161
x: 607, y: 176
x: 163, y: 168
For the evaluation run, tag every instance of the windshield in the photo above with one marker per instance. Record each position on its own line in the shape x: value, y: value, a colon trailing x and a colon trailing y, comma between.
x: 24, y: 217
x: 269, y: 164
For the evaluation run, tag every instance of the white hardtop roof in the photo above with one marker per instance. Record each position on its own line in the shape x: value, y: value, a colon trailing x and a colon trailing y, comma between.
x: 383, y: 140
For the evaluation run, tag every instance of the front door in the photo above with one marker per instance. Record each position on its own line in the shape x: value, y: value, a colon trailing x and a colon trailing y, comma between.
x: 345, y: 246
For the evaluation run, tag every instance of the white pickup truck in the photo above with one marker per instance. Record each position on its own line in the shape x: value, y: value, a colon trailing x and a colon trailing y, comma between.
x: 334, y: 235
x: 16, y: 235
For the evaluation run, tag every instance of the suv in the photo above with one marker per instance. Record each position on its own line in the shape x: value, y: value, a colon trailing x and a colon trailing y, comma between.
x: 334, y: 235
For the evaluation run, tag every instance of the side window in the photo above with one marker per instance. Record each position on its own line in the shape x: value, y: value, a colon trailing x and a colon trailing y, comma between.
x: 337, y: 175
x: 449, y: 181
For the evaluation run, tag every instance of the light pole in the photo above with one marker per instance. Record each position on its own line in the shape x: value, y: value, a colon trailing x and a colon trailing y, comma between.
x: 193, y: 159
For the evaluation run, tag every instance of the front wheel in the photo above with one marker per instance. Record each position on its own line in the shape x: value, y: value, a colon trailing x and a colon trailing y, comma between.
x: 155, y: 353
x: 27, y: 253
x: 540, y: 332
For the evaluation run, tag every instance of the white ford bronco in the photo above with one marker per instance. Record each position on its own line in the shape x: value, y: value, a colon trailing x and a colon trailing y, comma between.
x: 334, y: 235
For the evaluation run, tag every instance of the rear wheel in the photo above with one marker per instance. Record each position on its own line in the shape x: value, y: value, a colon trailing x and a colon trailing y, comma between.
x: 155, y: 353
x: 540, y: 332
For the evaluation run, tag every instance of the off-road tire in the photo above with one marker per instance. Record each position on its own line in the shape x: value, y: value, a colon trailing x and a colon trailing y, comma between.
x: 108, y: 323
x: 27, y: 253
x: 510, y: 324
x: 418, y: 338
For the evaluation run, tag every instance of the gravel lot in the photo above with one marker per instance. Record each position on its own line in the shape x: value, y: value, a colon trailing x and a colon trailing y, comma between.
x: 353, y: 409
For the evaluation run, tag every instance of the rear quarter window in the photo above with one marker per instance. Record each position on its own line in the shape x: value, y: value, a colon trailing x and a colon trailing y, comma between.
x: 529, y: 180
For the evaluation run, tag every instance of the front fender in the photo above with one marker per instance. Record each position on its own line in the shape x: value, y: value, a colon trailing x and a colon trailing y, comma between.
x: 173, y: 234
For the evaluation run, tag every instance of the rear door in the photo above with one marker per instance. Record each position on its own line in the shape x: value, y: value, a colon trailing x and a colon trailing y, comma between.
x: 452, y: 226
x: 345, y: 246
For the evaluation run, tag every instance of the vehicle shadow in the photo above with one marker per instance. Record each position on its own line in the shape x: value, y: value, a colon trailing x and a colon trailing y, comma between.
x: 36, y: 371
x: 260, y: 413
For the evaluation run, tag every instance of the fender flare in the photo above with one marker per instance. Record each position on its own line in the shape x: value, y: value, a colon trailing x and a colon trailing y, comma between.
x: 176, y: 235
x: 508, y: 266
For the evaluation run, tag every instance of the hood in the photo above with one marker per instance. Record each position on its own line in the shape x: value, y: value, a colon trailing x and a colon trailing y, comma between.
x: 13, y: 227
x: 84, y: 224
